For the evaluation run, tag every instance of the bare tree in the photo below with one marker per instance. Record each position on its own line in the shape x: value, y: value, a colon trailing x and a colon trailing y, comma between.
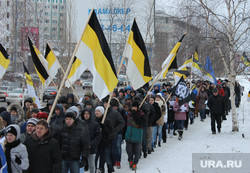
x: 233, y: 25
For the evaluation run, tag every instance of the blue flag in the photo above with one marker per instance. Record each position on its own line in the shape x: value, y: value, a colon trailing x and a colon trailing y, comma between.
x: 209, y: 69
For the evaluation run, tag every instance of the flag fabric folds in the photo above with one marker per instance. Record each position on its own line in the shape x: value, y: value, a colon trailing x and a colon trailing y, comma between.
x: 245, y: 59
x: 76, y: 71
x: 182, y: 92
x: 94, y: 53
x: 4, y: 61
x: 210, y: 76
x: 138, y: 68
x: 181, y: 73
x: 40, y: 64
x: 30, y: 87
x: 53, y: 63
x: 170, y: 62
x: 196, y: 53
x: 194, y: 64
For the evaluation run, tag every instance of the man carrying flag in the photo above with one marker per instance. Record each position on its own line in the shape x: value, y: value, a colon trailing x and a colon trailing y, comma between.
x: 4, y: 61
x: 138, y: 68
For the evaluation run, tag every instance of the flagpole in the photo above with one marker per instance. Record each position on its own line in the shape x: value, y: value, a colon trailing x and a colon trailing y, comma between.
x: 153, y: 84
x: 191, y: 75
x: 110, y: 95
x: 64, y: 74
x: 68, y: 68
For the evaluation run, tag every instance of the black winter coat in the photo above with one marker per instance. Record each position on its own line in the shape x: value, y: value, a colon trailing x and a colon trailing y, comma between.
x: 106, y: 129
x: 44, y: 155
x: 74, y: 142
x: 94, y: 134
x: 117, y: 122
x: 157, y: 113
x: 216, y: 104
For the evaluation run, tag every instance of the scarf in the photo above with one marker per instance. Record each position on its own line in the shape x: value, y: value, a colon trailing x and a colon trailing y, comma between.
x: 8, y: 147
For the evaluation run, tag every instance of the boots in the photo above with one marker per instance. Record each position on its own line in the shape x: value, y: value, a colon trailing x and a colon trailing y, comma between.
x: 171, y: 133
x: 180, y: 132
x: 159, y: 144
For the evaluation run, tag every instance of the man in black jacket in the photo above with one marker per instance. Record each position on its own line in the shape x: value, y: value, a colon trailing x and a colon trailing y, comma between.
x: 44, y: 152
x: 74, y: 143
x: 217, y: 109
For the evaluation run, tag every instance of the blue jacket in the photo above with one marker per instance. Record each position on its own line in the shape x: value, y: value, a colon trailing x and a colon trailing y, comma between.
x: 3, y: 161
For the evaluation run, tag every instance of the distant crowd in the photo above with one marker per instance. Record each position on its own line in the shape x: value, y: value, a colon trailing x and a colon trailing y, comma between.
x: 78, y: 135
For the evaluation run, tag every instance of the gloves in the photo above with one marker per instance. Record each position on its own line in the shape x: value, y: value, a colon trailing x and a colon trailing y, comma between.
x: 18, y: 160
x: 102, y: 126
x: 83, y: 162
x: 178, y: 109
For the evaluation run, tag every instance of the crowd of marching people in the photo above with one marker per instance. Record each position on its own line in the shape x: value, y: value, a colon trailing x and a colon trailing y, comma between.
x: 81, y: 134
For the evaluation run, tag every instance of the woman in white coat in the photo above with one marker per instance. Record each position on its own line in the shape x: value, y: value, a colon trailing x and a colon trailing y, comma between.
x: 15, y: 152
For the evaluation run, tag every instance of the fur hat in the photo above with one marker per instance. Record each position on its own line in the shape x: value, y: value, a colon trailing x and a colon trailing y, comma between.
x: 100, y: 108
x: 42, y: 115
x: 13, y: 129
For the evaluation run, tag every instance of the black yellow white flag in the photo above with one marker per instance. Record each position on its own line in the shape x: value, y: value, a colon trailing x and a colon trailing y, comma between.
x: 30, y: 87
x: 53, y: 63
x: 4, y: 61
x: 94, y: 53
x: 138, y: 68
x: 170, y: 62
x: 40, y: 64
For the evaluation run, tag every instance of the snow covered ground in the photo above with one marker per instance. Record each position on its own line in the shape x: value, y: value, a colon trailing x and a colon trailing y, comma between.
x: 176, y: 156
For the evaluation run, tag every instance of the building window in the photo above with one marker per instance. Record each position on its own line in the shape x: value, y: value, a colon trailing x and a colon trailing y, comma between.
x: 62, y: 7
x: 61, y: 14
x: 8, y: 26
x: 8, y: 3
x: 53, y: 29
x: 47, y: 36
x: 8, y: 15
x: 54, y: 14
x: 54, y: 6
x: 46, y: 29
x: 46, y: 13
x: 7, y: 38
x: 47, y: 21
x: 54, y: 21
x: 61, y: 29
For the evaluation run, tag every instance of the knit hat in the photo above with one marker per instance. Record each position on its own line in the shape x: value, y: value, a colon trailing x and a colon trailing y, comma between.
x: 13, y: 109
x: 29, y: 99
x: 13, y: 129
x: 135, y: 104
x: 35, y: 110
x: 32, y: 121
x: 70, y: 115
x: 100, y: 108
x: 74, y: 109
x: 42, y: 115
x: 215, y: 90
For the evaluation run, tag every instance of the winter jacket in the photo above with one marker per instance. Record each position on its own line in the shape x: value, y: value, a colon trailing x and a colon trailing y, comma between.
x: 23, y: 137
x: 20, y: 151
x: 16, y: 149
x: 171, y: 113
x: 157, y: 113
x: 146, y: 110
x: 216, y: 104
x: 70, y: 95
x: 135, y: 122
x: 20, y: 114
x: 74, y: 142
x: 161, y: 104
x: 227, y: 93
x: 106, y: 129
x: 180, y: 115
x: 44, y: 154
x: 95, y: 134
x: 58, y: 119
x: 117, y: 122
x: 3, y: 163
x: 202, y: 99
